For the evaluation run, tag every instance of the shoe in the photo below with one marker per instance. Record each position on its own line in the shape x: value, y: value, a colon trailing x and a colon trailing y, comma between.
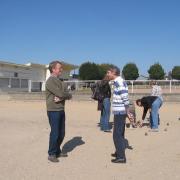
x: 52, y: 158
x: 118, y: 160
x: 62, y: 155
x: 114, y: 155
x: 107, y: 130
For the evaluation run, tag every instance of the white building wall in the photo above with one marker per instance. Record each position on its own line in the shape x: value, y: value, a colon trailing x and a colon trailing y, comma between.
x: 8, y: 71
x: 19, y: 77
x: 25, y: 77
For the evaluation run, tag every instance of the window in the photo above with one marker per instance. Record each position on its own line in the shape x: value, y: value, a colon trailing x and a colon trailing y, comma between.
x: 15, y: 74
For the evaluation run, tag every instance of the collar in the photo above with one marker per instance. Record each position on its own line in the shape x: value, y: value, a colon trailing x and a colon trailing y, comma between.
x: 118, y: 78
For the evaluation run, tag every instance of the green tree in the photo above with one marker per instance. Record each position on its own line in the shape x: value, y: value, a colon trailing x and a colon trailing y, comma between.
x: 176, y: 72
x: 156, y: 72
x: 89, y: 71
x: 130, y: 71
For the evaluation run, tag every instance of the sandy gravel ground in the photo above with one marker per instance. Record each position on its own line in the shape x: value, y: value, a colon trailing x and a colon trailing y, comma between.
x: 24, y: 134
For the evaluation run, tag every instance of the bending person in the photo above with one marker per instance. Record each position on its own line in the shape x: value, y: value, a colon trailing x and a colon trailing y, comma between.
x: 152, y: 103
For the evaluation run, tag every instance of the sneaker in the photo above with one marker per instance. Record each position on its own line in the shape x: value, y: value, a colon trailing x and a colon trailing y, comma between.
x: 118, y: 160
x: 114, y: 155
x: 52, y: 158
x: 62, y: 155
x: 108, y: 130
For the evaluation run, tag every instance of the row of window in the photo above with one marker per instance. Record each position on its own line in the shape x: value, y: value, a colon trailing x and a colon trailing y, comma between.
x: 13, y: 83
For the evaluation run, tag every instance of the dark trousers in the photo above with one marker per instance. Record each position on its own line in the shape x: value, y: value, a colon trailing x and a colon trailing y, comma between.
x: 118, y: 135
x: 57, y: 124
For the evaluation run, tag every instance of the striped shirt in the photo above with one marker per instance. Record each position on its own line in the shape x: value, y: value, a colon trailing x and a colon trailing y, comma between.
x: 157, y: 91
x: 120, y: 101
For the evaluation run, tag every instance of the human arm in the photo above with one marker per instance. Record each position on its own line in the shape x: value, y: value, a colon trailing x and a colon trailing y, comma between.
x: 56, y: 87
x: 144, y: 113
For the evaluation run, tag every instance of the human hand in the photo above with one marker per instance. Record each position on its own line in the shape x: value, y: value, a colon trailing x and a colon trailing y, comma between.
x: 130, y: 117
x: 70, y: 96
x: 57, y: 99
x: 140, y: 123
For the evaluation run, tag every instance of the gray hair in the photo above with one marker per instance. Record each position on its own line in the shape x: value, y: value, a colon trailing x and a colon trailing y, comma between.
x: 53, y: 64
x: 116, y: 70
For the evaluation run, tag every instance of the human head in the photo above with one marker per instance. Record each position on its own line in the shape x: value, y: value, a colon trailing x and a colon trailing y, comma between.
x: 113, y: 72
x: 55, y: 68
x: 138, y: 102
x: 153, y: 83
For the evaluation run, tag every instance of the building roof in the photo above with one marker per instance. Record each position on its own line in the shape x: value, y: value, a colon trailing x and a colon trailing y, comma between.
x: 66, y: 66
x: 12, y: 64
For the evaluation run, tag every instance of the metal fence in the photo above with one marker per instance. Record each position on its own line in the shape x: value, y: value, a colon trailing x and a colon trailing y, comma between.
x: 135, y: 86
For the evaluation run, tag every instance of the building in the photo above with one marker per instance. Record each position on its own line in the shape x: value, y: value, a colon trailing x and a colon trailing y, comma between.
x: 27, y: 77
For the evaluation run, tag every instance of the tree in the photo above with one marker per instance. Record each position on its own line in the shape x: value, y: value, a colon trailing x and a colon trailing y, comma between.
x: 89, y: 71
x: 176, y: 72
x: 130, y: 71
x: 156, y: 72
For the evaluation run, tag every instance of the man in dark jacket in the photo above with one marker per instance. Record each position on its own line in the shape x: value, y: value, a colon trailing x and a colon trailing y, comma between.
x: 105, y: 91
x: 56, y: 94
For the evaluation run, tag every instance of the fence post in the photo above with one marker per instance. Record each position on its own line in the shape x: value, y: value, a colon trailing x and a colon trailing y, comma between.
x: 29, y: 85
x: 9, y: 86
x: 132, y: 89
x: 170, y: 86
x: 20, y: 83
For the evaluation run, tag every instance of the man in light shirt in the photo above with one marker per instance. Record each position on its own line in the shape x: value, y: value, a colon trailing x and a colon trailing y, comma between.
x: 120, y: 109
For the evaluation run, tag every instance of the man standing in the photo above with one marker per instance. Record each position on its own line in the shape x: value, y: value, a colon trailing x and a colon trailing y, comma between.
x: 56, y: 94
x: 120, y: 108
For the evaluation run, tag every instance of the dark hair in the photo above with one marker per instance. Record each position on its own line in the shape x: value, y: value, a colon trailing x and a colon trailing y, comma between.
x: 153, y: 82
x: 106, y: 78
x: 53, y: 64
x: 137, y: 101
x: 115, y: 69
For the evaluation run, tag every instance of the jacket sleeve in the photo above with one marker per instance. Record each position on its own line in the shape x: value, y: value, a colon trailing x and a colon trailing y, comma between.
x: 57, y: 89
x: 144, y: 113
x: 109, y: 90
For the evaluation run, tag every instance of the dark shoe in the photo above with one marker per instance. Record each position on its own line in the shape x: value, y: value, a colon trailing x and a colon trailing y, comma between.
x: 114, y: 155
x: 118, y: 160
x: 62, y: 155
x: 108, y: 130
x: 52, y: 158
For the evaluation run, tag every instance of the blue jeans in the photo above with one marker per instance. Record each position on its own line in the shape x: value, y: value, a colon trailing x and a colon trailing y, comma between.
x: 57, y: 124
x: 155, y: 113
x: 105, y: 114
x: 118, y: 135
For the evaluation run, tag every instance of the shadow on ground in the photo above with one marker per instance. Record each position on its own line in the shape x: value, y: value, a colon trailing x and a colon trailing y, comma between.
x: 72, y: 144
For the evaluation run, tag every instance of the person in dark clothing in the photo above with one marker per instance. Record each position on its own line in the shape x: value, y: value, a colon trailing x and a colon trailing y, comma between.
x: 152, y: 103
x: 105, y: 94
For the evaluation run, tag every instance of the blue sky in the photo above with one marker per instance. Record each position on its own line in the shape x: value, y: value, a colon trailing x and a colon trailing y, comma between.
x: 101, y: 31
